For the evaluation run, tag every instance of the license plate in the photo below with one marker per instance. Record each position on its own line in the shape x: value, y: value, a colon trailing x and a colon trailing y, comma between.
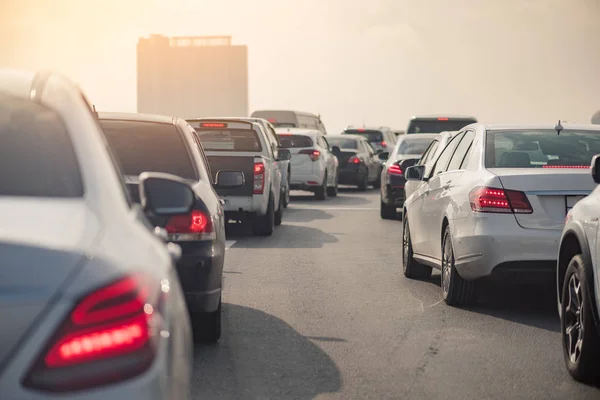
x: 570, y: 201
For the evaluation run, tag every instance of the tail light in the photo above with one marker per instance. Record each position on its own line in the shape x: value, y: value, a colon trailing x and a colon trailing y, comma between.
x: 384, y: 144
x: 313, y: 154
x: 495, y: 200
x: 354, y: 160
x: 259, y: 178
x: 196, y: 225
x: 109, y: 336
x: 395, y: 169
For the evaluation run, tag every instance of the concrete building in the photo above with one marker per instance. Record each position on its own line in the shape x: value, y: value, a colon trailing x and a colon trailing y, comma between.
x: 192, y: 76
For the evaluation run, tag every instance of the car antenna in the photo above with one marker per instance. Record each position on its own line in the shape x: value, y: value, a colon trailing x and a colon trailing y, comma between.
x: 558, y: 128
x: 94, y: 109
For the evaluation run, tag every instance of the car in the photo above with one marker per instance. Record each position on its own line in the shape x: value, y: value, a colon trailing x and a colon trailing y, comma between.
x: 577, y: 277
x: 314, y: 166
x: 494, y: 204
x: 381, y: 138
x: 292, y: 119
x: 358, y: 162
x: 406, y: 152
x: 91, y: 305
x: 428, y: 159
x: 282, y: 165
x: 244, y: 146
x: 438, y: 123
x: 143, y: 142
x: 398, y: 132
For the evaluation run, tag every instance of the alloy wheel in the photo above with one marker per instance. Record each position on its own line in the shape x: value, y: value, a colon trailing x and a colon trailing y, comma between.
x: 574, y: 324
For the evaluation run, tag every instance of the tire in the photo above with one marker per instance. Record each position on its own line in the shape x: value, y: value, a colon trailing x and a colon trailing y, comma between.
x: 455, y: 290
x: 286, y: 198
x: 364, y: 184
x: 207, y: 326
x: 321, y: 192
x: 332, y: 191
x: 279, y: 213
x: 387, y: 212
x: 411, y: 268
x: 582, y: 361
x: 264, y: 225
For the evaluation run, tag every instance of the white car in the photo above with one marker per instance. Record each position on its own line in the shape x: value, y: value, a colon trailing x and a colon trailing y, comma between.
x: 495, y: 203
x: 314, y: 167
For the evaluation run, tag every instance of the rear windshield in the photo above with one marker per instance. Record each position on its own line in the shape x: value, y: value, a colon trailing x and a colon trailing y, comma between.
x: 283, y: 124
x: 229, y: 140
x: 292, y: 141
x: 37, y: 158
x: 541, y: 148
x: 148, y: 147
x: 343, y: 143
x: 414, y: 146
x: 435, y: 126
x: 371, y: 136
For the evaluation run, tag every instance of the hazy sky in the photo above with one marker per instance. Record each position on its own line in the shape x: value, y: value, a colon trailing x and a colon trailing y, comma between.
x: 377, y: 61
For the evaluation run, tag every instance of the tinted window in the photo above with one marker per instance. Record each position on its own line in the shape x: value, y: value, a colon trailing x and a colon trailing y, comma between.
x: 541, y: 148
x: 229, y: 140
x: 148, y: 147
x: 442, y: 161
x: 344, y: 143
x: 436, y: 126
x: 413, y: 145
x: 430, y: 152
x: 461, y: 151
x: 371, y: 136
x: 292, y: 141
x: 37, y: 157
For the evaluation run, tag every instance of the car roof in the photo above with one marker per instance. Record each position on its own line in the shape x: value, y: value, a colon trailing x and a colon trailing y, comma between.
x: 16, y: 82
x: 419, y: 135
x: 436, y: 116
x: 347, y: 136
x: 498, y: 127
x: 368, y: 128
x: 114, y: 116
x: 297, y: 131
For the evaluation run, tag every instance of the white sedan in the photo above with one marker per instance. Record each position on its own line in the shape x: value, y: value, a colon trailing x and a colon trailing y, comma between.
x: 495, y: 203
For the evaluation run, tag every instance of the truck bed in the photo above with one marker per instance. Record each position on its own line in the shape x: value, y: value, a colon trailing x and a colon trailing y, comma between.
x: 244, y: 164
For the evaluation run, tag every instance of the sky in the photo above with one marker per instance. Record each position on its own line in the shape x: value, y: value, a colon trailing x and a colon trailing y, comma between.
x: 376, y: 62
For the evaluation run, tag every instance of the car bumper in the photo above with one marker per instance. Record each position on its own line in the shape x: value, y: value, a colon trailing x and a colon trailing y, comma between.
x: 305, y: 181
x: 350, y: 175
x: 495, y: 245
x: 200, y: 271
x: 393, y: 194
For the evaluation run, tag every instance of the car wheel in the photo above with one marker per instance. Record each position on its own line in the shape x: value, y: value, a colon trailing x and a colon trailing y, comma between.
x: 264, y: 225
x: 455, y: 290
x: 387, y: 212
x: 207, y: 326
x: 580, y: 340
x: 279, y: 213
x: 333, y: 190
x: 411, y: 268
x: 286, y: 198
x: 364, y: 183
x: 321, y: 192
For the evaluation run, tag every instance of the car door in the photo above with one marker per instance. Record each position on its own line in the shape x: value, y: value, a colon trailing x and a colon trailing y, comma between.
x: 420, y: 211
x: 331, y: 160
x: 272, y: 150
x: 373, y: 162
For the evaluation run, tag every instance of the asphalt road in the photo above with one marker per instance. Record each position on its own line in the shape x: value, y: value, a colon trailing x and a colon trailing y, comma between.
x: 321, y: 310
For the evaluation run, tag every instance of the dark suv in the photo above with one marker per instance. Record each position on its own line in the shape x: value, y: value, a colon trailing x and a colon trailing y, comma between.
x: 438, y: 123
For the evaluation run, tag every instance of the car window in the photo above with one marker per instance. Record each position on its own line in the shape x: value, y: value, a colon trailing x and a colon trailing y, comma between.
x: 142, y: 146
x: 461, y: 151
x: 290, y: 141
x: 427, y: 155
x: 437, y: 126
x: 242, y: 140
x: 345, y: 143
x: 414, y: 145
x: 465, y: 160
x: 370, y: 135
x: 200, y: 148
x: 444, y: 158
x: 325, y: 143
x: 37, y: 157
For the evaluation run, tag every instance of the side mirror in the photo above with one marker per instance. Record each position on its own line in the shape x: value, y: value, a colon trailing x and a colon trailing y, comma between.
x: 336, y: 149
x: 165, y: 194
x: 384, y: 155
x: 284, y: 154
x: 415, y: 173
x: 409, y: 162
x: 230, y: 179
x: 596, y: 168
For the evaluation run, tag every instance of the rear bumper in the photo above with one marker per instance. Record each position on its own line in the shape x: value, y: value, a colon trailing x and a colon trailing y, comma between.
x: 246, y: 204
x: 350, y: 175
x: 305, y: 181
x: 494, y: 245
x: 200, y: 271
x: 393, y: 195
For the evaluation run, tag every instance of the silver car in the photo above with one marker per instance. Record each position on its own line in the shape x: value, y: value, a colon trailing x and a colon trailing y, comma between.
x: 90, y: 303
x: 495, y: 203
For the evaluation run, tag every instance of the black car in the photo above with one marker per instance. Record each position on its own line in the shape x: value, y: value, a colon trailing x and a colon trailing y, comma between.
x: 438, y: 123
x: 164, y: 144
x: 358, y: 161
x: 382, y: 138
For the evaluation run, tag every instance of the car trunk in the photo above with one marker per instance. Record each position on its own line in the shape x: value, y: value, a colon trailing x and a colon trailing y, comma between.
x: 242, y: 163
x: 551, y: 192
x: 344, y: 156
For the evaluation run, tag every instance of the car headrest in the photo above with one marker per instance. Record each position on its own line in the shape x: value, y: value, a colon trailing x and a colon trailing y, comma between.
x: 515, y: 159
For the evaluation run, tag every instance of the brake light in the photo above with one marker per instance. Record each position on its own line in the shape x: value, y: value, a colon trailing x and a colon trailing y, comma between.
x: 313, y: 154
x: 108, y: 337
x: 361, y: 129
x: 259, y: 178
x: 196, y: 225
x: 384, y: 144
x: 395, y: 169
x: 213, y: 125
x: 272, y: 120
x: 567, y: 166
x: 354, y: 160
x: 495, y: 200
x: 443, y: 119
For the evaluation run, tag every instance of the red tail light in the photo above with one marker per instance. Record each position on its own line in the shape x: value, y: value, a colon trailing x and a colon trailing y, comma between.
x: 108, y: 337
x: 395, y: 169
x: 196, y: 225
x: 495, y: 200
x: 567, y: 166
x: 313, y: 154
x: 354, y: 160
x: 259, y: 178
x: 384, y: 144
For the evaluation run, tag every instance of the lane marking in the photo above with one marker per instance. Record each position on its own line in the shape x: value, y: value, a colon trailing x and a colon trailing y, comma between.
x: 229, y: 243
x: 335, y: 208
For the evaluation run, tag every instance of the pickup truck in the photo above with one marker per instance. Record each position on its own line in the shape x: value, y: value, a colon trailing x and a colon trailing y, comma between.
x: 240, y: 145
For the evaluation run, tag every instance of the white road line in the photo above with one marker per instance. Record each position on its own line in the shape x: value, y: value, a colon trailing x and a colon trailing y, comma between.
x: 229, y: 243
x: 335, y: 208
